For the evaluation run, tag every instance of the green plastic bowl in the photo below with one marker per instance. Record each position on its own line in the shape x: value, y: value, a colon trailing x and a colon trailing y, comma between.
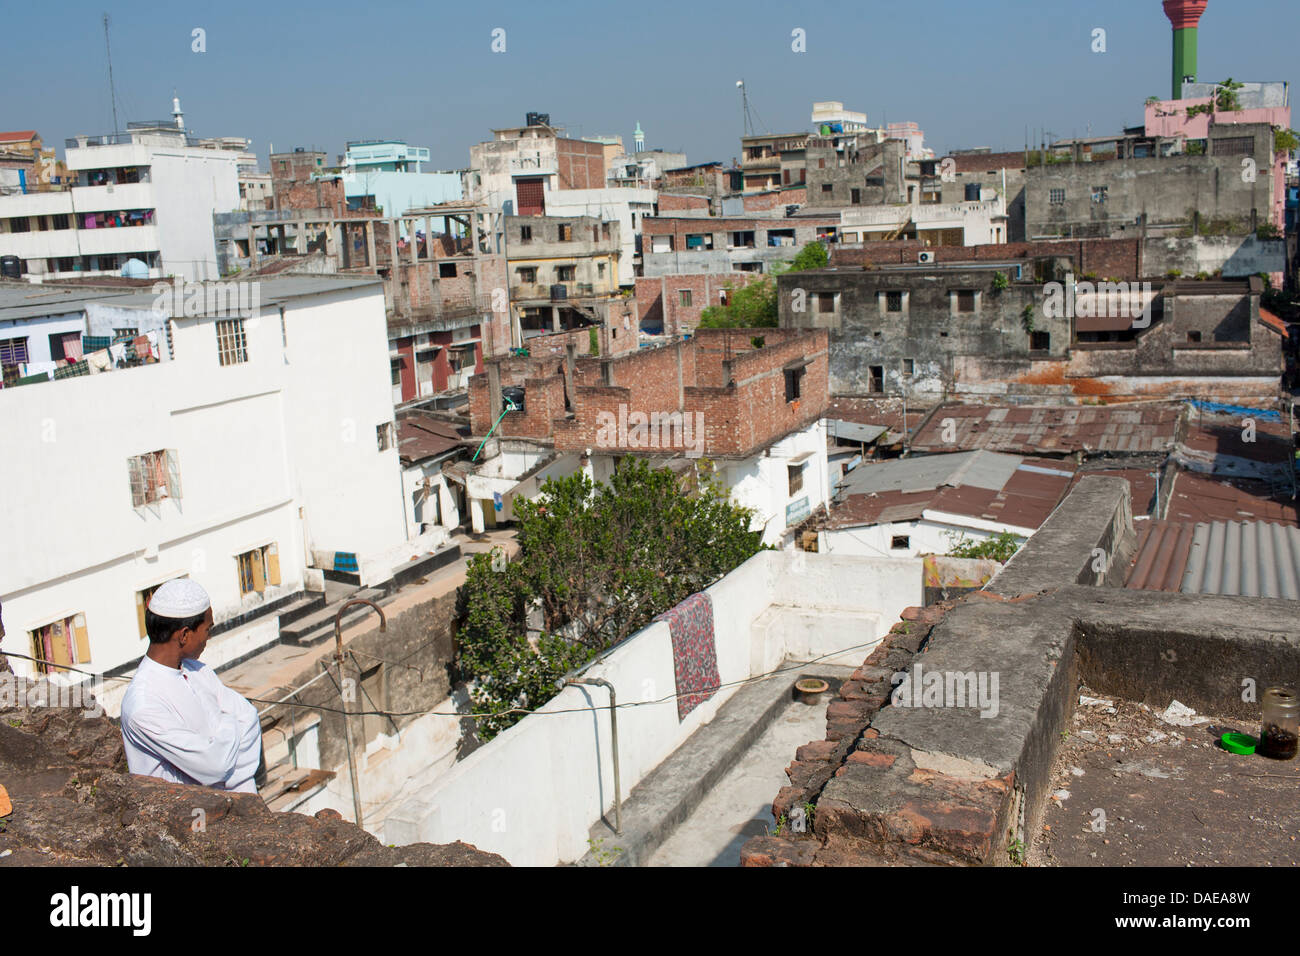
x: 1238, y: 743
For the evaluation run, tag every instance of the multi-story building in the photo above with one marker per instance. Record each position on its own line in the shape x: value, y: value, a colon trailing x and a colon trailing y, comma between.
x: 514, y: 171
x: 147, y: 194
x: 1228, y: 183
x: 251, y: 447
x: 48, y: 169
x: 627, y: 207
x: 255, y: 187
x: 750, y: 401
x: 695, y: 244
x: 564, y: 274
x: 385, y: 175
x: 768, y: 160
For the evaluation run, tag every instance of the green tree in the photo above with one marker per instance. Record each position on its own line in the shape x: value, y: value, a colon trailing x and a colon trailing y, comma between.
x: 596, y: 563
x: 1000, y: 548
x: 752, y: 306
x: 1284, y: 140
x: 811, y: 256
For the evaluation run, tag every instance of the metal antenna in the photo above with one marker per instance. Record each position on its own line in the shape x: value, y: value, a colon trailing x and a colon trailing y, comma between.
x: 111, y: 91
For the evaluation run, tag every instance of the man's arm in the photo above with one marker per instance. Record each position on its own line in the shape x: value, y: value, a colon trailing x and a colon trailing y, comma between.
x: 210, y: 760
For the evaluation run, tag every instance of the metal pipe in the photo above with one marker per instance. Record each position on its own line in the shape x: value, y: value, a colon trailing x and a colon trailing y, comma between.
x: 613, y: 734
x: 347, y: 728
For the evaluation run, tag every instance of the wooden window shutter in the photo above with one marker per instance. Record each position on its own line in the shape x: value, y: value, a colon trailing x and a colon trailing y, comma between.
x: 273, y: 564
x: 139, y: 612
x: 83, y: 639
x: 259, y: 575
x: 60, y: 643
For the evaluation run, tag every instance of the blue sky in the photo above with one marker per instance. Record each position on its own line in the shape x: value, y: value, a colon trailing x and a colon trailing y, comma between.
x: 322, y: 73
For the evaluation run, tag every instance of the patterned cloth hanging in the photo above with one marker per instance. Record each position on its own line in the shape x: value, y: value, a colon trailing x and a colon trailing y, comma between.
x: 695, y: 656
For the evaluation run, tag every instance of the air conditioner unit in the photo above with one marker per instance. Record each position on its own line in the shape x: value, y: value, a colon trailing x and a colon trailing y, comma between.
x: 925, y: 258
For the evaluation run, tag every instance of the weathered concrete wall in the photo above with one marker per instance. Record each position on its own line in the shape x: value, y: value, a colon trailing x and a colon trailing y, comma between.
x: 1165, y: 191
x: 877, y: 170
x: 1236, y: 256
x: 928, y: 330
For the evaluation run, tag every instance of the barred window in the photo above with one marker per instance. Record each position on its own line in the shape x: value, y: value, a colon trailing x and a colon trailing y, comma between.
x: 13, y: 351
x: 258, y: 568
x: 232, y: 346
x: 154, y: 476
x: 1056, y: 196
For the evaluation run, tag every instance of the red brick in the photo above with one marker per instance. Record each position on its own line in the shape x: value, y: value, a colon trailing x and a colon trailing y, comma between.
x: 872, y: 759
x: 816, y: 750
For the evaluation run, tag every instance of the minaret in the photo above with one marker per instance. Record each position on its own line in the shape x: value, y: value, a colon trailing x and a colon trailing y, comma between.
x: 638, y: 139
x: 1184, y: 15
x: 176, y: 111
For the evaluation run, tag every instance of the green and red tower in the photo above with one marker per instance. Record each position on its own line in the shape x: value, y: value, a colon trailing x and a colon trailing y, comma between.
x: 1184, y: 15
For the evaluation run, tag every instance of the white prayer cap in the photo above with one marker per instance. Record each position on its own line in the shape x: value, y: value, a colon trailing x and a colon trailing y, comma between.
x: 180, y: 598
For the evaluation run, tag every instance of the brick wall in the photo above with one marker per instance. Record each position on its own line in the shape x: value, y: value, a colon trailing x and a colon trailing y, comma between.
x: 659, y: 298
x: 1116, y: 258
x: 671, y: 203
x: 775, y: 199
x: 580, y: 165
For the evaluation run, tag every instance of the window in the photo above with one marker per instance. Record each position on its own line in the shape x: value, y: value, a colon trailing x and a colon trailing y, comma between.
x: 387, y: 435
x: 855, y: 196
x: 604, y: 230
x: 258, y: 568
x: 13, y: 351
x: 565, y: 273
x: 1193, y: 336
x: 909, y: 367
x: 525, y: 233
x: 1040, y: 341
x: 893, y: 301
x: 19, y: 224
x: 595, y: 233
x: 154, y: 476
x: 1056, y: 196
x: 396, y: 368
x: 699, y: 240
x: 60, y: 221
x: 793, y: 383
x: 1099, y: 194
x: 566, y: 232
x: 65, y: 345
x: 446, y: 270
x: 825, y: 301
x: 821, y: 163
x: 142, y: 601
x: 61, y: 643
x: 684, y: 297
x: 743, y: 239
x: 794, y: 475
x: 900, y: 542
x: 527, y: 273
x: 600, y: 270
x: 232, y: 347
x: 877, y: 378
x: 827, y: 187
x: 965, y: 300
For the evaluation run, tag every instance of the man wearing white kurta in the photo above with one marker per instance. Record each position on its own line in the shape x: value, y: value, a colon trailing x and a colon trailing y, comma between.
x: 179, y: 722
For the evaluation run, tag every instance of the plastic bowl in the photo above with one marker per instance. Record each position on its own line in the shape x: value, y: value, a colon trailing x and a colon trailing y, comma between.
x: 1238, y: 743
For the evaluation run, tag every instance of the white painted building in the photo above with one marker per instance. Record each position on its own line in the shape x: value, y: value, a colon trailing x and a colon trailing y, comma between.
x: 982, y: 222
x: 258, y: 455
x: 147, y: 194
x: 909, y: 507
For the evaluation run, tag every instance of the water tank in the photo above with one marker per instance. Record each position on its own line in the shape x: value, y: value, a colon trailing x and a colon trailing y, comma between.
x: 537, y: 119
x: 11, y: 267
x: 972, y: 192
x: 559, y: 292
x: 512, y: 399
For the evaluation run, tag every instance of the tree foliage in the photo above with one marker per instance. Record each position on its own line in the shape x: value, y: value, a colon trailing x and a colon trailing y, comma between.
x: 1001, y: 548
x: 596, y: 563
x: 754, y: 306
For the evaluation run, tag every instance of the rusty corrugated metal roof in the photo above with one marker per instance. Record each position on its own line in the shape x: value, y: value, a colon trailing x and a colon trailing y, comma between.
x: 1050, y: 429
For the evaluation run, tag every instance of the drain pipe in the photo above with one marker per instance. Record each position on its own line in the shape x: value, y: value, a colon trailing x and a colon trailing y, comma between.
x: 613, y: 735
x: 347, y: 726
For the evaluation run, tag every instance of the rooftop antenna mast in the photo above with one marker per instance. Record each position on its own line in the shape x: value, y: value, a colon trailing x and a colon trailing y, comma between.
x: 744, y: 100
x: 111, y: 91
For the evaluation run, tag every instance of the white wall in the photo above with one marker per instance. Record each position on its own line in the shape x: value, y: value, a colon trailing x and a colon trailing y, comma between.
x: 37, y: 331
x: 351, y: 491
x: 935, y: 534
x: 189, y: 185
x: 762, y: 481
x: 533, y: 792
x: 413, y: 479
x: 260, y: 445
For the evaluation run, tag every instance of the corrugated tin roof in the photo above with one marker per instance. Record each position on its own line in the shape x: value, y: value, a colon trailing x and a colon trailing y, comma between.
x: 978, y: 469
x: 1248, y: 558
x: 1047, y: 429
